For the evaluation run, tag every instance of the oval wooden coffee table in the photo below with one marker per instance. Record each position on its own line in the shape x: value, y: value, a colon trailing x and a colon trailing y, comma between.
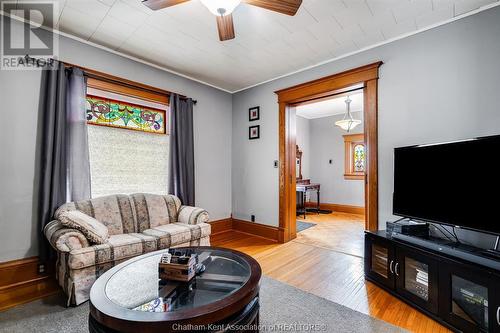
x: 224, y: 297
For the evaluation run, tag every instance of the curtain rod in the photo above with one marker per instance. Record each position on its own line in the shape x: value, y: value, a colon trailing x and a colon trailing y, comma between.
x: 107, y: 77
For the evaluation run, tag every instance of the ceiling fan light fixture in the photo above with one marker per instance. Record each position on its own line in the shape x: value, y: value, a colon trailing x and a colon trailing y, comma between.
x: 221, y: 7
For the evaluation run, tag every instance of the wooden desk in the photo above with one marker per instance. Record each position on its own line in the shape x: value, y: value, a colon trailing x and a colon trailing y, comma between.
x: 303, y: 186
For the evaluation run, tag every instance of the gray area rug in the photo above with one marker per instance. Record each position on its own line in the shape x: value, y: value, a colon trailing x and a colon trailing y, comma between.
x: 301, y: 226
x: 283, y: 308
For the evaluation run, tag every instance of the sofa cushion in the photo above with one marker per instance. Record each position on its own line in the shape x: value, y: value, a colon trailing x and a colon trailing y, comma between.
x: 177, y: 233
x: 117, y: 247
x: 154, y: 210
x: 115, y: 211
x: 124, y: 214
x: 95, y: 231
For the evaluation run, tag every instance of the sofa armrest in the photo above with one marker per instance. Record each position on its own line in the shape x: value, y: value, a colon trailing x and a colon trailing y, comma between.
x: 192, y: 215
x: 64, y: 239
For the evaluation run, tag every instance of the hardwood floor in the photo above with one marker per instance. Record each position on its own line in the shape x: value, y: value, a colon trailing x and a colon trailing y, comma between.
x: 341, y: 232
x: 326, y: 260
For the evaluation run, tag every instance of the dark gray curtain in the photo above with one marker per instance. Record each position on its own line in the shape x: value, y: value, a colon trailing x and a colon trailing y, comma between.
x: 62, y: 173
x: 77, y: 147
x: 181, y: 161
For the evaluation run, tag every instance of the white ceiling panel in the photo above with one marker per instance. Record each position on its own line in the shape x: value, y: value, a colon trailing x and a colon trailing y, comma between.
x: 184, y: 38
x: 391, y: 29
x: 77, y: 23
x: 125, y: 12
x: 112, y: 32
x: 437, y: 15
x: 91, y: 8
x: 331, y: 107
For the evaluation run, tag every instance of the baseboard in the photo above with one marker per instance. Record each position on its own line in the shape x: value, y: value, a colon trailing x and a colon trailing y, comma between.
x: 220, y: 226
x: 339, y: 208
x: 256, y: 229
x: 252, y: 228
x: 20, y: 282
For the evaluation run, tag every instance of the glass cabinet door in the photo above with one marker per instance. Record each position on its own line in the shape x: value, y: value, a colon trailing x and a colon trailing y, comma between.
x: 379, y: 260
x: 494, y: 304
x: 417, y: 278
x: 469, y: 302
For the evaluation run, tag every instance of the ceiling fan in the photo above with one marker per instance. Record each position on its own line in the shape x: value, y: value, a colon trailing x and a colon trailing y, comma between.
x: 223, y: 9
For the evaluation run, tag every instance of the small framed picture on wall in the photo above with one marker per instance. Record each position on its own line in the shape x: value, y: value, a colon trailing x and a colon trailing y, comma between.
x: 254, y: 113
x: 254, y: 132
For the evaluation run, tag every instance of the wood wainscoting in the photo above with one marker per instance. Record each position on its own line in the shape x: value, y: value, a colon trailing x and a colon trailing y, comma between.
x: 360, y: 210
x: 21, y: 283
x: 220, y: 226
x: 256, y: 229
x: 252, y: 228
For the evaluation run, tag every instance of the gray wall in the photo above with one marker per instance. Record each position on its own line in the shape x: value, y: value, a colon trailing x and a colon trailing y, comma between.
x: 327, y: 142
x: 19, y: 94
x: 303, y: 140
x: 438, y: 85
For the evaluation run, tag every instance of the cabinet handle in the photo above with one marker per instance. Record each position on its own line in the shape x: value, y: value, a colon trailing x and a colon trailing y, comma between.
x: 390, y: 266
x: 498, y: 315
x: 396, y: 268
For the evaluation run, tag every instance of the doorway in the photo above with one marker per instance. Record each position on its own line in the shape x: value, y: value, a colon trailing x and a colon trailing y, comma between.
x: 365, y: 78
x: 330, y: 172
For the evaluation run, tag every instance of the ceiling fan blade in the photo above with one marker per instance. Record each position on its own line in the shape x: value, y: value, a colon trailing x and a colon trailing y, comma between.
x: 160, y: 4
x: 287, y: 7
x: 226, y: 27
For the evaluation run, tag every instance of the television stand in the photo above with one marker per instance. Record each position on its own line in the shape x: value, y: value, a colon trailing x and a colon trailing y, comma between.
x: 454, y: 283
x: 494, y: 252
x: 453, y: 249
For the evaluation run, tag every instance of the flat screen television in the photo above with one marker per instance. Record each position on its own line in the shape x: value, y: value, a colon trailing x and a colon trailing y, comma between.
x: 455, y: 183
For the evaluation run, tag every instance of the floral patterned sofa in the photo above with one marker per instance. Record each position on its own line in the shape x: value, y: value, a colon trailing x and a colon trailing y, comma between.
x: 137, y: 224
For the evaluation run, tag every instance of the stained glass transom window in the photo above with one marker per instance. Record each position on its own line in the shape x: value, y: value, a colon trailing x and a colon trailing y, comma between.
x: 113, y: 113
x: 359, y: 158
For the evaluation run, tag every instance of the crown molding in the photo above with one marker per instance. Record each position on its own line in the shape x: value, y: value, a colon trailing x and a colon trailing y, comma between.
x: 456, y: 18
x: 107, y: 49
x: 165, y: 69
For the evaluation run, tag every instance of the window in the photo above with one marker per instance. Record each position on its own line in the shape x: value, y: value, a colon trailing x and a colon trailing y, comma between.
x: 355, y: 156
x: 128, y: 141
x: 124, y: 114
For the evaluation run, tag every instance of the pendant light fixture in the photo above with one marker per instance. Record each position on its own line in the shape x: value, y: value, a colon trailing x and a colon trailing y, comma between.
x: 348, y: 122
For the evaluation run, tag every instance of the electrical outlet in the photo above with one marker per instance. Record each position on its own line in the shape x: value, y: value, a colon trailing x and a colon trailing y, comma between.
x: 41, y: 268
x: 252, y: 218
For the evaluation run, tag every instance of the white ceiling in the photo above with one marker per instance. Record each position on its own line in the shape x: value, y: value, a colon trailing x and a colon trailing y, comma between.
x: 330, y: 107
x: 184, y: 38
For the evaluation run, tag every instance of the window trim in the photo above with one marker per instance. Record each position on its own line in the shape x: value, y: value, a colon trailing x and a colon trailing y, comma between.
x: 126, y: 89
x: 350, y: 141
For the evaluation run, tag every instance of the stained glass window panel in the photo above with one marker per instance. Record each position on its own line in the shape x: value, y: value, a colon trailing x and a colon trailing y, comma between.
x: 113, y: 113
x: 359, y: 158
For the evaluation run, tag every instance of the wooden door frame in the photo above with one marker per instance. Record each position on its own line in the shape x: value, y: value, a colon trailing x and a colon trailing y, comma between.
x: 365, y: 77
